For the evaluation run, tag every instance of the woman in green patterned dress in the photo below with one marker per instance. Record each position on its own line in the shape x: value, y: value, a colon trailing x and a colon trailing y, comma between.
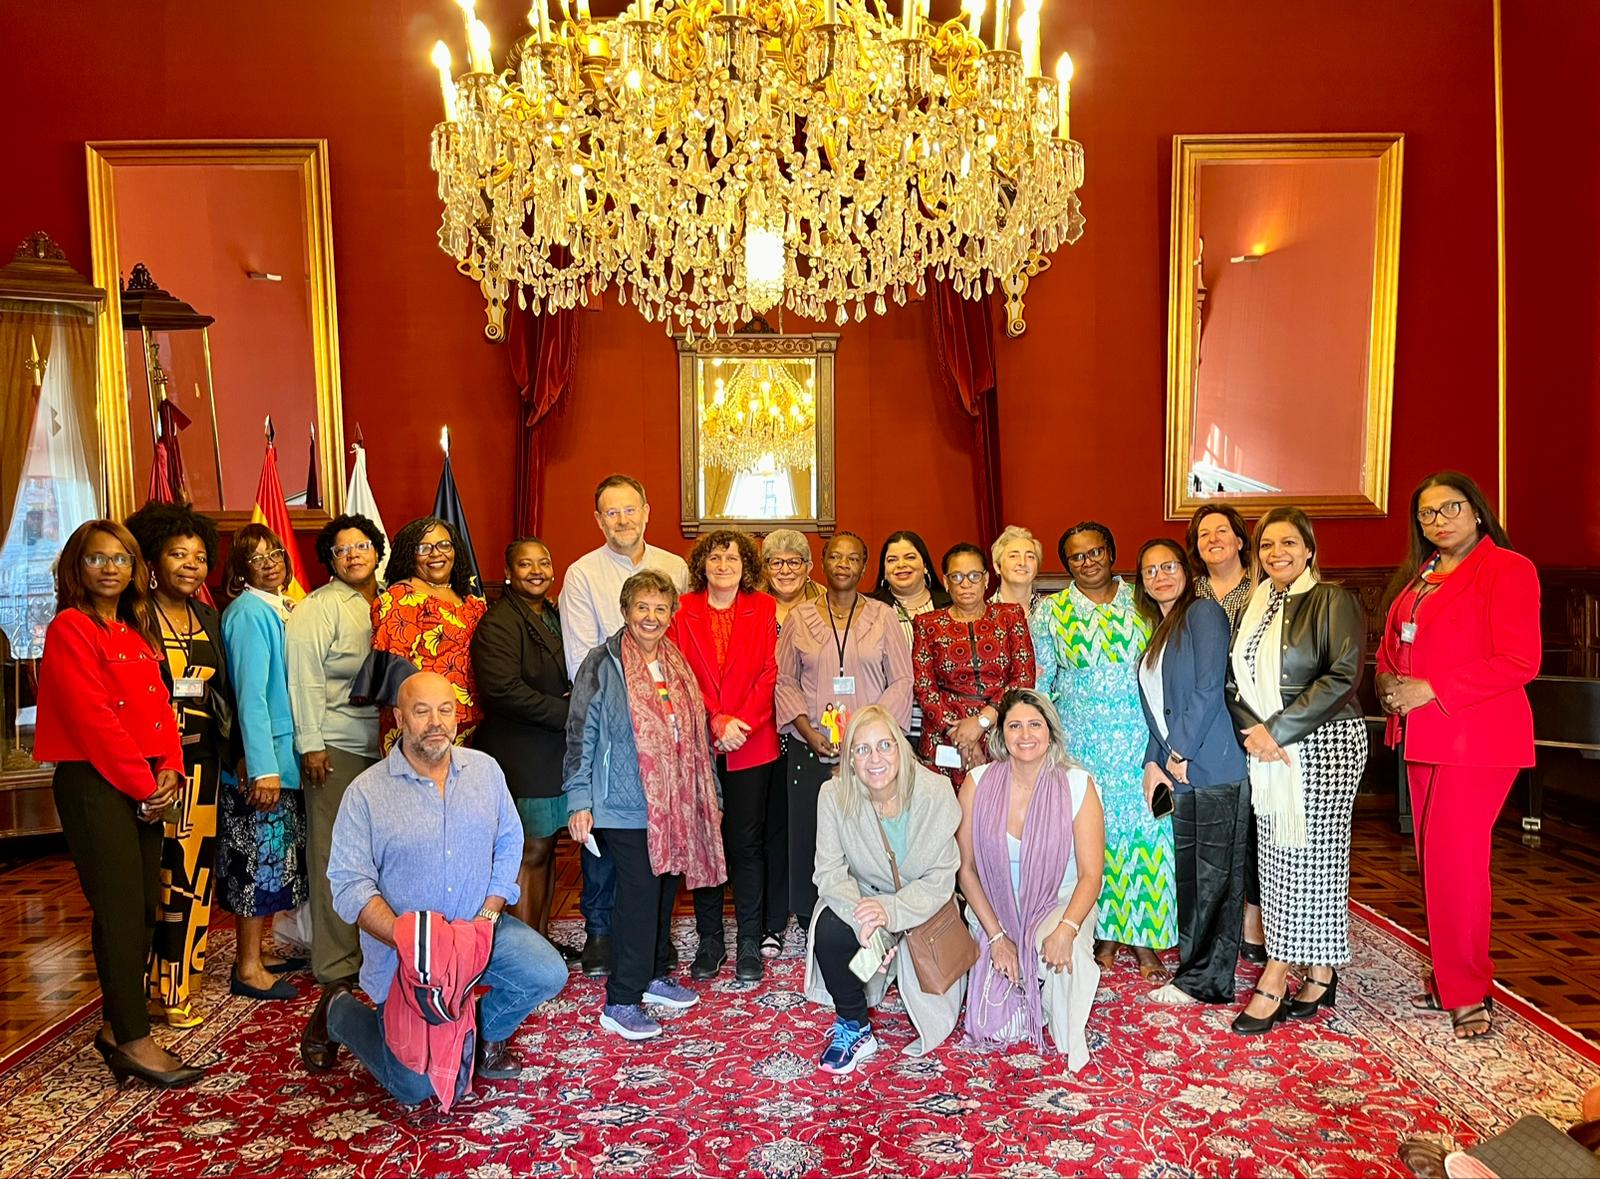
x: 1087, y: 640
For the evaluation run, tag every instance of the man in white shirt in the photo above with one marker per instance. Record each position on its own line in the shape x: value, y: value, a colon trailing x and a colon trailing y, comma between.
x: 591, y: 612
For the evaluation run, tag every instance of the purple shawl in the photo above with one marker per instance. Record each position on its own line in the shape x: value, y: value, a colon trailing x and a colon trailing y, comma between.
x: 999, y: 1012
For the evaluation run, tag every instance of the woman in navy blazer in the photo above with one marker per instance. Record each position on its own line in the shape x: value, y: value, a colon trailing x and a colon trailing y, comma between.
x: 1194, y: 752
x: 728, y: 632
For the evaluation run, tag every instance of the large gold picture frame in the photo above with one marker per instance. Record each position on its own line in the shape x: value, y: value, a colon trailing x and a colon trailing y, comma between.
x: 1192, y: 153
x: 310, y: 156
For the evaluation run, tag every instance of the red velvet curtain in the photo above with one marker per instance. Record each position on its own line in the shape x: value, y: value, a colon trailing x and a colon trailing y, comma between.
x: 963, y: 333
x: 542, y: 349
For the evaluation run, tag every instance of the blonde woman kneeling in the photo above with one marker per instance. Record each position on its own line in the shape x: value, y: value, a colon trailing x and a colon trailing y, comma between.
x: 1033, y: 844
x: 882, y: 793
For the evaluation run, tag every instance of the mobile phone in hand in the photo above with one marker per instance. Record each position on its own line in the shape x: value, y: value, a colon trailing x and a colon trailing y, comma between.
x: 1161, y: 801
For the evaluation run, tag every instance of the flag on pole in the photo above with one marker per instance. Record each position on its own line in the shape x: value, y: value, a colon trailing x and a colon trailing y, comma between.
x: 447, y: 507
x: 271, y: 510
x: 313, y: 497
x: 169, y: 483
x: 358, y: 497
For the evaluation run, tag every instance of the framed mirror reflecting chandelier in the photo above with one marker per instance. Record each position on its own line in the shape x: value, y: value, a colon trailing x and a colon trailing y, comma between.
x: 712, y: 159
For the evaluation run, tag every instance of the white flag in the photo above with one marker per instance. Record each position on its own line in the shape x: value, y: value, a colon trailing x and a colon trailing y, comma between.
x: 358, y: 497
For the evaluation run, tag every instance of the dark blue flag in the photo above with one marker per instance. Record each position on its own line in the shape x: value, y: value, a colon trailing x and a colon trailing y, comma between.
x: 447, y: 507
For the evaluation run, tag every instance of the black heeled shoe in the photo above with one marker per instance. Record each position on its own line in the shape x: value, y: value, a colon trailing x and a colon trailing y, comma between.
x: 1306, y: 1008
x: 1245, y: 1024
x: 123, y: 1067
x: 1253, y: 952
x: 104, y: 1046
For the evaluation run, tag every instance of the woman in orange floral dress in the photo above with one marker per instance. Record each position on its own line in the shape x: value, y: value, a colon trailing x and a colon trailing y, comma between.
x: 425, y: 619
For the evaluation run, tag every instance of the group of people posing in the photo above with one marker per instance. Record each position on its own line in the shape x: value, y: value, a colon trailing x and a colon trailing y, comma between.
x: 1119, y: 767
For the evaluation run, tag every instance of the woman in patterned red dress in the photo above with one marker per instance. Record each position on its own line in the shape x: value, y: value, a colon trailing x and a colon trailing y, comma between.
x: 967, y: 656
x: 425, y: 618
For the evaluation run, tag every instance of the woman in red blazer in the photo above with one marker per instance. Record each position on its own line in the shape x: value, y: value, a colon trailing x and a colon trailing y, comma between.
x: 106, y: 720
x: 729, y: 634
x: 1459, y: 647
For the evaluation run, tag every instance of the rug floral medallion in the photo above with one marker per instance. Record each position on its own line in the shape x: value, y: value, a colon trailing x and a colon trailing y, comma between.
x: 732, y: 1088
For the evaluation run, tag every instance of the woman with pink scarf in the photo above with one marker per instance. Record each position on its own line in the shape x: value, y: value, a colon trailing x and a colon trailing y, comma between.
x: 1033, y: 843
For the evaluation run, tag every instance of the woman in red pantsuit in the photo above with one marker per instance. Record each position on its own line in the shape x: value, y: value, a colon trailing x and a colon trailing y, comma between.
x: 1460, y: 644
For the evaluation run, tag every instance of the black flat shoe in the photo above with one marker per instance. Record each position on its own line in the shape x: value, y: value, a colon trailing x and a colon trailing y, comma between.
x: 750, y: 966
x: 1255, y: 952
x: 708, y: 960
x: 124, y: 1068
x: 1306, y: 1008
x: 278, y: 990
x: 1245, y: 1024
x: 596, y: 956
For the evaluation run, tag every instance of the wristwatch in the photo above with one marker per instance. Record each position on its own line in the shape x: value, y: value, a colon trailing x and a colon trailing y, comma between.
x: 984, y: 722
x: 492, y: 916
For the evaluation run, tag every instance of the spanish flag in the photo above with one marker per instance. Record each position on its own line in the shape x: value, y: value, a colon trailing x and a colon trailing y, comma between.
x: 271, y: 510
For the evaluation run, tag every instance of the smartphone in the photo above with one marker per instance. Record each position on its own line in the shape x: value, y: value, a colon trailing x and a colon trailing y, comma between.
x: 1161, y: 801
x: 947, y: 757
x: 868, y: 960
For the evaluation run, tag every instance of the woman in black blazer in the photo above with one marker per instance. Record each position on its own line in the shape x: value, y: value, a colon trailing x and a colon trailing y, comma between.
x: 521, y: 673
x: 1195, y: 754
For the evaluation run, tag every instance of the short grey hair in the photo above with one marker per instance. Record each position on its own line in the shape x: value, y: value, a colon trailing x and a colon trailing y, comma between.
x: 648, y: 581
x: 786, y: 542
x: 1012, y: 534
x: 1057, y: 754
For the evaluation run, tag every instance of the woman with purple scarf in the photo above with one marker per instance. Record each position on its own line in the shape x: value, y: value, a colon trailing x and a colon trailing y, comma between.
x: 1033, y: 844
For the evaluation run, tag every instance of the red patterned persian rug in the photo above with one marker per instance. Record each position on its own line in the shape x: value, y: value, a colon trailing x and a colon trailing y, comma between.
x: 732, y: 1089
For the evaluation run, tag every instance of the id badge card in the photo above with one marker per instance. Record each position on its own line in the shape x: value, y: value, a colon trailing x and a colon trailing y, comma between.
x: 1408, y: 632
x: 188, y: 688
x: 844, y: 685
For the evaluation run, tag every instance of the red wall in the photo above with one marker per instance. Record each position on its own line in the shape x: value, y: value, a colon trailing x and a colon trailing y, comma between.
x: 1082, y: 393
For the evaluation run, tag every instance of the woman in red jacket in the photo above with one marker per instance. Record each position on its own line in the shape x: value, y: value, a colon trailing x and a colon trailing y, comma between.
x: 1459, y: 647
x: 729, y: 634
x: 106, y: 720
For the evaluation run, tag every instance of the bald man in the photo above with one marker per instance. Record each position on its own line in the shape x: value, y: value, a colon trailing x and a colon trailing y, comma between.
x: 430, y: 827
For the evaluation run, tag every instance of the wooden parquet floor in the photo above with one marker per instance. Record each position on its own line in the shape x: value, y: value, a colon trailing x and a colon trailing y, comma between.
x: 1546, y: 921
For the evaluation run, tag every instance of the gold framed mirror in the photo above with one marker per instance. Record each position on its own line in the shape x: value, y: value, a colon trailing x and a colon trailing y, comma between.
x: 1281, y: 321
x: 239, y: 234
x: 756, y: 423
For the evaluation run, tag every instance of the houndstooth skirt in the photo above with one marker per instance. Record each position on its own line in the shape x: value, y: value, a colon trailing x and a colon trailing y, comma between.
x: 1305, y: 891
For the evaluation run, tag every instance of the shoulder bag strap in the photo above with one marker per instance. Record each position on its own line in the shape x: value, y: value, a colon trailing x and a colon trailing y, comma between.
x: 887, y: 850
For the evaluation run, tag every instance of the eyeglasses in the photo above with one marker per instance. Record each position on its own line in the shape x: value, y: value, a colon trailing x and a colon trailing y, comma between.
x: 1170, y: 568
x: 101, y: 560
x: 262, y: 560
x: 341, y: 551
x: 786, y: 564
x: 1093, y: 554
x: 971, y: 577
x: 612, y: 515
x: 865, y: 748
x: 1449, y: 511
x: 428, y: 548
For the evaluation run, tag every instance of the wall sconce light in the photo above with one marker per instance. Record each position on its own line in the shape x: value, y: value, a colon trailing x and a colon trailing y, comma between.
x: 263, y: 276
x: 1247, y: 258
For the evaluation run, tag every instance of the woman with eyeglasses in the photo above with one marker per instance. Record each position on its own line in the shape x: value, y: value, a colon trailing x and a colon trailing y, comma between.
x: 1459, y: 646
x: 886, y: 862
x: 180, y: 546
x: 786, y: 568
x: 105, y: 720
x: 967, y: 656
x: 261, y: 854
x: 1292, y: 677
x: 1087, y: 641
x: 1193, y: 756
x: 424, y: 621
x: 906, y: 582
x: 836, y: 655
x: 329, y: 638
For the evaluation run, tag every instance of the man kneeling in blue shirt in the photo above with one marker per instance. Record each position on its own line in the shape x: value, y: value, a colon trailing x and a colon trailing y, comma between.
x: 432, y: 827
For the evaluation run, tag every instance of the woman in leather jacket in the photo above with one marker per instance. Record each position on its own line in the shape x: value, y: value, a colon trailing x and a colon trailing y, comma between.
x: 1292, y: 676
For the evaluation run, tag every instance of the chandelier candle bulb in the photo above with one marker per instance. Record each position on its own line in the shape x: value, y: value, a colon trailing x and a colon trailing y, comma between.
x: 539, y: 18
x: 447, y: 84
x: 1064, y: 77
x: 830, y: 12
x: 974, y: 10
x: 1002, y: 19
x: 469, y: 17
x: 482, y: 62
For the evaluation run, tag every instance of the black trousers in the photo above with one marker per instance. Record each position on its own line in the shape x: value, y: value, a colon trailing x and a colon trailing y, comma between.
x: 1252, y: 869
x: 1209, y: 829
x: 834, y: 944
x: 807, y: 772
x: 118, y: 858
x: 755, y: 840
x: 641, y: 918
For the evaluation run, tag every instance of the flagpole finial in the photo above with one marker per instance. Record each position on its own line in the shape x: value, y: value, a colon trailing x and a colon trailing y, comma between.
x: 361, y: 439
x: 272, y: 435
x: 444, y: 440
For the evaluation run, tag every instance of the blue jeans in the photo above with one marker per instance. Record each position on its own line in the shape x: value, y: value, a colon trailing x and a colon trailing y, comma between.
x: 599, y: 895
x: 524, y: 971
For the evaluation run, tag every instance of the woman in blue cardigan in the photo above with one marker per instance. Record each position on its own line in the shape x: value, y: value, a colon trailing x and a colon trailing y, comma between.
x: 261, y: 860
x: 1195, y: 754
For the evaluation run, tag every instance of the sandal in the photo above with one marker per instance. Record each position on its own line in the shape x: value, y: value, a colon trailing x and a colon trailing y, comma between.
x: 772, y: 945
x: 1469, y: 1023
x: 1105, y: 954
x: 1151, y: 968
x: 1428, y: 1002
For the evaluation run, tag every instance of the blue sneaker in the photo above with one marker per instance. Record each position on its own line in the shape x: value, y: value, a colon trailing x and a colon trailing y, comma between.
x: 852, y: 1043
x: 669, y: 994
x: 629, y: 1021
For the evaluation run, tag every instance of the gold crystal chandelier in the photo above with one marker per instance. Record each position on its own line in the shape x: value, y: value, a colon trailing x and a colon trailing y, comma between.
x: 711, y: 159
x: 758, y: 412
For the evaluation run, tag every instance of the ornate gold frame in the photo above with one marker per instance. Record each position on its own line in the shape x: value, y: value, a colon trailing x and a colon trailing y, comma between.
x: 820, y: 347
x: 311, y: 155
x: 1189, y: 152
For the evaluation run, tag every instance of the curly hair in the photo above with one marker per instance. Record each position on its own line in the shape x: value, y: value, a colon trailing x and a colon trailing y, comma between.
x: 648, y: 581
x: 1087, y: 526
x: 749, y: 559
x: 403, y: 560
x: 155, y: 524
x: 330, y: 533
x: 245, y: 543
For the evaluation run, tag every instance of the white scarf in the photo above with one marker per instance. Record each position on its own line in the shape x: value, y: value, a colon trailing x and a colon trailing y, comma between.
x: 1276, y: 787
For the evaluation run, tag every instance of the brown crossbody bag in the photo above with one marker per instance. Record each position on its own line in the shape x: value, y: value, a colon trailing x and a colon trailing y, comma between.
x: 942, y: 949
